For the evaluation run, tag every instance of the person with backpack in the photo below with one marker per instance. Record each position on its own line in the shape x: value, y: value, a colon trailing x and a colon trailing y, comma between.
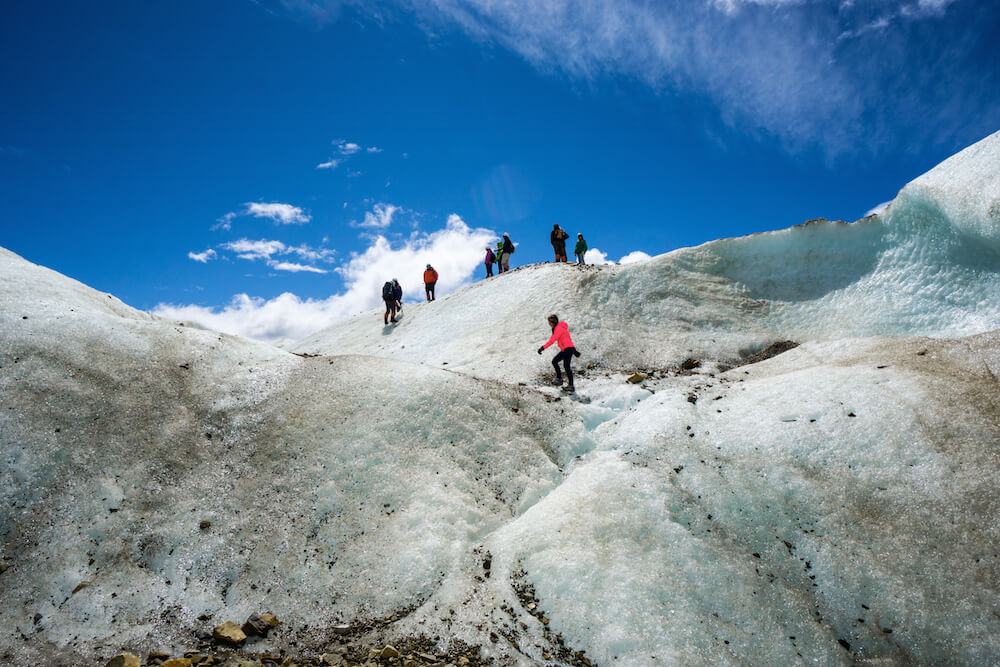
x: 490, y: 257
x: 397, y: 292
x: 560, y: 335
x: 430, y: 279
x: 505, y: 252
x: 580, y: 250
x: 496, y: 256
x: 558, y: 240
x: 389, y: 296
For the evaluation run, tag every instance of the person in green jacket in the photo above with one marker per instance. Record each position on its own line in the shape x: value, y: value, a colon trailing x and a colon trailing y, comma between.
x: 581, y: 249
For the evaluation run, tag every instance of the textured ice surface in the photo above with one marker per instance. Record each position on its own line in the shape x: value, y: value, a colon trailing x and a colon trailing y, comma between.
x: 835, y: 503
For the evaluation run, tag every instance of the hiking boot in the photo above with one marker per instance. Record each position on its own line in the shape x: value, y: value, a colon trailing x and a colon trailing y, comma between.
x: 569, y: 389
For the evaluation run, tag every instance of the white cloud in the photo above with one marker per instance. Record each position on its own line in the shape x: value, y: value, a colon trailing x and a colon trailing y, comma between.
x: 345, y: 149
x: 284, y: 214
x: 454, y: 251
x: 380, y: 217
x: 262, y: 249
x: 294, y: 267
x: 202, y: 257
x: 634, y: 256
x: 771, y: 67
x: 597, y: 256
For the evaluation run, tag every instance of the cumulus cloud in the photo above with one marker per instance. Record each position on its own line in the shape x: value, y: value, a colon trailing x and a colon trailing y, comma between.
x: 380, y: 217
x: 634, y: 256
x: 597, y: 256
x: 267, y: 249
x: 329, y: 164
x: 277, y: 212
x: 202, y: 257
x: 455, y: 251
x: 262, y: 249
x: 284, y: 214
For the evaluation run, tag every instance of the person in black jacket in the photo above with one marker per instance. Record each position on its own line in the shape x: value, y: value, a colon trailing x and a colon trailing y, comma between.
x: 397, y: 292
x: 389, y: 296
x: 558, y: 240
x: 505, y: 253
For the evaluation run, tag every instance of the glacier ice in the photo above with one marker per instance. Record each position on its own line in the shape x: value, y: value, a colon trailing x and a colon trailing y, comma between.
x: 835, y: 503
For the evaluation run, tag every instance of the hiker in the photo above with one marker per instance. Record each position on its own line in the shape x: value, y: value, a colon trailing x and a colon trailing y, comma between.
x: 558, y: 239
x: 505, y: 252
x: 581, y: 249
x: 560, y: 335
x: 490, y: 258
x: 397, y: 292
x: 389, y: 296
x: 430, y: 279
x: 496, y: 256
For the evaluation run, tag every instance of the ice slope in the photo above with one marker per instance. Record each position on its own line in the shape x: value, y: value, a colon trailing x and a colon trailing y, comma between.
x: 930, y: 265
x: 336, y: 488
x: 834, y: 504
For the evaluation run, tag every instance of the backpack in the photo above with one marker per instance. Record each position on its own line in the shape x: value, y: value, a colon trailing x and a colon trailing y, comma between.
x: 387, y: 292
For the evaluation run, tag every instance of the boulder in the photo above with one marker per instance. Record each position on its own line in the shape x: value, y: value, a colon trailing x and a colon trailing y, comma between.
x: 124, y: 660
x: 229, y: 633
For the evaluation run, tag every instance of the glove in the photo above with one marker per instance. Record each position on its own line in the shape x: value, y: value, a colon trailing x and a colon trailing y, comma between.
x: 576, y: 353
x: 540, y: 350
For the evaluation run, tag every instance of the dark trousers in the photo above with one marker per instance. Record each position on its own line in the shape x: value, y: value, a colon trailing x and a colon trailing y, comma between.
x: 390, y: 308
x: 429, y: 288
x: 565, y: 357
x: 489, y: 270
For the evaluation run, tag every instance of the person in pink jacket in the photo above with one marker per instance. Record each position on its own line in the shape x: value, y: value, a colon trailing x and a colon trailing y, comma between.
x: 560, y: 335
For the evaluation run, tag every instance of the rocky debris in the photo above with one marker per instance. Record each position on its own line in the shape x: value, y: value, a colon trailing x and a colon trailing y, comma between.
x: 180, y: 662
x: 772, y: 350
x: 690, y: 364
x: 388, y: 652
x: 229, y: 633
x: 636, y: 378
x: 124, y: 660
x: 3, y: 567
x: 204, y: 524
x: 258, y: 625
x: 558, y: 649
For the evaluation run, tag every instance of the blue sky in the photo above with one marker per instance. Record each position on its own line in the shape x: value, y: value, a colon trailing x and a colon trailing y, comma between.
x: 294, y: 154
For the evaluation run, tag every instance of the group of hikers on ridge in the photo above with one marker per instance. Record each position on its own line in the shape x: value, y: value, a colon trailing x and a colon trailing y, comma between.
x: 392, y: 294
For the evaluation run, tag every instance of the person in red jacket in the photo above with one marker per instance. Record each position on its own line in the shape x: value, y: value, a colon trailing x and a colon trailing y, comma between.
x: 430, y: 279
x: 560, y: 335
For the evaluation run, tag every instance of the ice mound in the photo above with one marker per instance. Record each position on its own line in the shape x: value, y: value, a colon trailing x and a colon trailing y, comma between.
x: 930, y: 266
x: 833, y: 504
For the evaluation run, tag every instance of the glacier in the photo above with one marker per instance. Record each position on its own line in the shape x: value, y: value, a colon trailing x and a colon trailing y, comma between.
x: 832, y: 504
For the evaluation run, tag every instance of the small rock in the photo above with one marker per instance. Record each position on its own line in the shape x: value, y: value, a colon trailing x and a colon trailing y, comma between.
x: 159, y: 655
x: 636, y: 378
x: 176, y: 662
x: 229, y: 633
x: 3, y: 567
x: 389, y: 652
x: 124, y: 660
x: 204, y: 524
x: 271, y: 620
x: 690, y: 364
x: 342, y: 629
x: 255, y: 626
x: 331, y: 659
